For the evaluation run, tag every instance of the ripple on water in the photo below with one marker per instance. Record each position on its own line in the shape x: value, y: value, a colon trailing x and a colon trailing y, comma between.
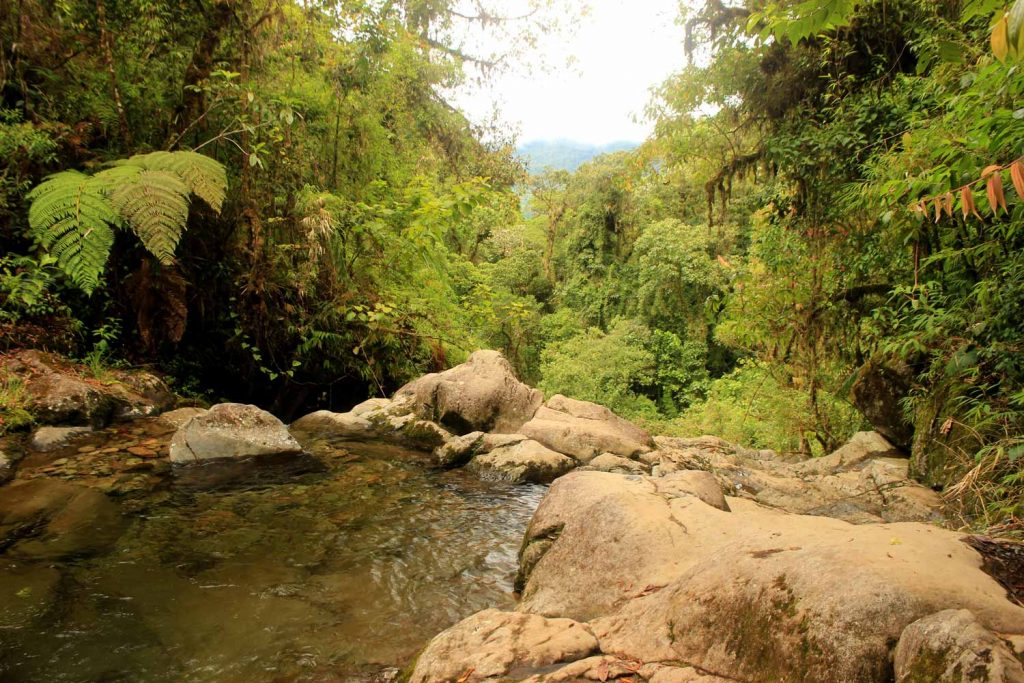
x: 331, y: 571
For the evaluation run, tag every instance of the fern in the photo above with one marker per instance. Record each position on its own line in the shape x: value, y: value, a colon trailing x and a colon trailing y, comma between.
x: 72, y: 219
x: 205, y: 177
x: 156, y: 208
x: 73, y: 215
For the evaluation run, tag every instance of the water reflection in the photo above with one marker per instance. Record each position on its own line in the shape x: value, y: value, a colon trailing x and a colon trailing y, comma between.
x: 333, y: 571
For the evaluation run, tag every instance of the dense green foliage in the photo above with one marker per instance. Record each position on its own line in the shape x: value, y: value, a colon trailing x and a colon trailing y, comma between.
x: 827, y: 189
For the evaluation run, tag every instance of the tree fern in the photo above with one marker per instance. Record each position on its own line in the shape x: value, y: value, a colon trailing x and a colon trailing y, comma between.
x: 73, y: 215
x: 156, y: 208
x: 72, y: 219
x: 205, y: 177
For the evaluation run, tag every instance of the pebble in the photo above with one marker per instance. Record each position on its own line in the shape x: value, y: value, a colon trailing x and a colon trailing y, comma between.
x: 87, y: 449
x: 142, y: 452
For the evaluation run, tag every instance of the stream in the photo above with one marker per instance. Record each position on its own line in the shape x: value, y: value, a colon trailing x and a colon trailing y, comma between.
x: 340, y: 566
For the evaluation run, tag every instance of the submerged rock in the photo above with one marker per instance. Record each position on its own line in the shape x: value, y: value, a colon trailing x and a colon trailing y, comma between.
x: 493, y: 645
x: 231, y: 430
x: 482, y: 394
x: 51, y: 438
x: 27, y: 593
x: 47, y: 519
x: 584, y: 430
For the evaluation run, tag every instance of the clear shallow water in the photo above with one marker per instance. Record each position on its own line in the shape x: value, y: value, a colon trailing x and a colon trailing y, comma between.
x: 328, y: 575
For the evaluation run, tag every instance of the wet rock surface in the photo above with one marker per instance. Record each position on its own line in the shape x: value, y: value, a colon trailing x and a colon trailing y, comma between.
x: 62, y: 393
x: 231, y: 430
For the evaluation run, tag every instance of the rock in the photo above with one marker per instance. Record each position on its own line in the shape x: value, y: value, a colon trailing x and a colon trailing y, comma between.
x: 51, y: 438
x: 752, y: 594
x: 177, y: 418
x: 6, y: 467
x: 611, y: 668
x: 336, y: 425
x: 953, y: 647
x: 584, y: 430
x: 697, y: 483
x: 606, y: 462
x: 459, y: 450
x: 878, y: 392
x: 521, y: 462
x: 862, y: 482
x: 231, y: 430
x: 60, y: 392
x: 483, y: 394
x: 493, y: 645
x: 27, y: 594
x: 423, y: 435
x: 47, y: 519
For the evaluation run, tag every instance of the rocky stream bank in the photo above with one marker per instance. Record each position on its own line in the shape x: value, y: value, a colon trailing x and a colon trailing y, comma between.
x: 649, y: 559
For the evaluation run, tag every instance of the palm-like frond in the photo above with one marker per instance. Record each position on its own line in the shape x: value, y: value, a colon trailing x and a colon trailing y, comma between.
x: 205, y: 177
x: 156, y: 208
x: 73, y: 215
x: 72, y: 219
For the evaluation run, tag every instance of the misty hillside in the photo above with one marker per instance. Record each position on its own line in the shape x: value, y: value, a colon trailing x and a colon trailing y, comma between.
x: 565, y: 154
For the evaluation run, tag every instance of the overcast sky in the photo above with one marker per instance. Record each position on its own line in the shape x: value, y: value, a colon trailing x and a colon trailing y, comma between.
x: 621, y: 50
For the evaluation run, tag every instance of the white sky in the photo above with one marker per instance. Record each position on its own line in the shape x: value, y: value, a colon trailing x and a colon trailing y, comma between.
x: 620, y: 51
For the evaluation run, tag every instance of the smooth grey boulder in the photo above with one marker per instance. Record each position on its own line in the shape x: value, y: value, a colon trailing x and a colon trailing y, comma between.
x: 335, y: 425
x: 951, y: 646
x: 482, y: 394
x: 47, y: 439
x: 522, y: 462
x: 584, y: 430
x: 459, y: 450
x: 177, y: 418
x: 231, y: 430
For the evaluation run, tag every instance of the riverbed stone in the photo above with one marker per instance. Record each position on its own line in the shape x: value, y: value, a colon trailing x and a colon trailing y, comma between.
x: 609, y: 462
x: 27, y: 593
x: 46, y: 439
x: 951, y: 646
x: 231, y: 430
x: 334, y: 425
x: 482, y: 394
x: 178, y: 417
x: 750, y: 594
x: 697, y: 483
x: 492, y: 645
x: 60, y: 392
x: 584, y: 430
x: 48, y: 519
x: 521, y: 462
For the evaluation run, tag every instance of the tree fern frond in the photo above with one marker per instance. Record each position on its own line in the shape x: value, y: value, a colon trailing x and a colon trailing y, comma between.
x: 205, y: 177
x: 156, y: 208
x: 72, y: 219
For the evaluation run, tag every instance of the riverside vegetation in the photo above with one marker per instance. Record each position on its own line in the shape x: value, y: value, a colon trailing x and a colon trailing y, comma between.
x: 271, y: 202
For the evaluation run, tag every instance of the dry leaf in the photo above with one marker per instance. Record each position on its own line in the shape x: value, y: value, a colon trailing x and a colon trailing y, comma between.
x: 724, y: 261
x: 465, y: 677
x: 937, y: 203
x: 946, y: 427
x: 967, y: 201
x: 994, y: 188
x: 1017, y: 176
x: 1001, y: 39
x: 947, y: 204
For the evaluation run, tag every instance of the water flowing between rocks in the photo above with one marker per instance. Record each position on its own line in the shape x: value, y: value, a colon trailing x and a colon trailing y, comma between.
x: 334, y: 570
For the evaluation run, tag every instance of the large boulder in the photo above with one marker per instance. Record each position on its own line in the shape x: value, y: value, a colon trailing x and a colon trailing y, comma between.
x: 63, y: 393
x: 521, y: 462
x: 754, y: 594
x: 864, y: 481
x: 231, y: 430
x: 584, y: 430
x: 482, y: 394
x: 493, y: 645
x: 878, y: 392
x: 953, y: 647
x: 47, y: 439
x: 48, y: 519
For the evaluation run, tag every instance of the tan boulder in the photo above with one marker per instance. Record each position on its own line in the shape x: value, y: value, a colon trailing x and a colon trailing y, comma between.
x: 607, y: 462
x: 482, y: 394
x: 754, y: 594
x: 521, y: 462
x: 952, y: 647
x: 494, y: 645
x: 584, y: 430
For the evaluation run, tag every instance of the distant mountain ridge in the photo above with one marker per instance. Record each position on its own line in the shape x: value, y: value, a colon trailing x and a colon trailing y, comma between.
x: 567, y: 155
